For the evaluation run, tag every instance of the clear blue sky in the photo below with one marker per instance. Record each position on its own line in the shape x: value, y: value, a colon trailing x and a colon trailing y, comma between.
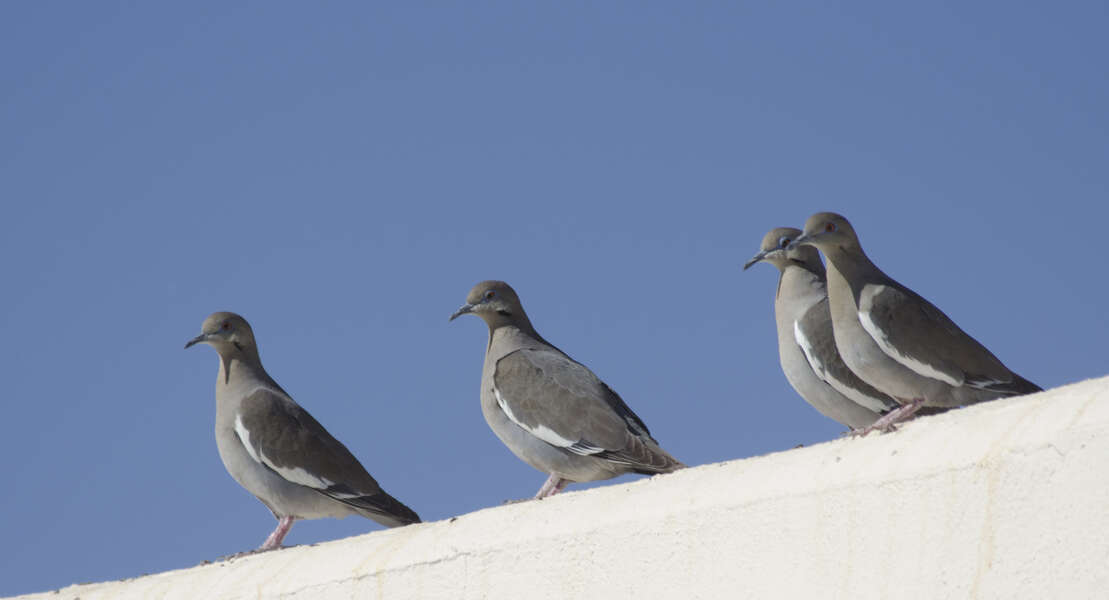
x: 341, y: 174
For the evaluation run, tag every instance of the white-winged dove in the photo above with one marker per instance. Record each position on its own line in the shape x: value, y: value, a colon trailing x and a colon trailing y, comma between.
x: 551, y: 411
x: 896, y: 340
x: 276, y: 450
x: 806, y: 346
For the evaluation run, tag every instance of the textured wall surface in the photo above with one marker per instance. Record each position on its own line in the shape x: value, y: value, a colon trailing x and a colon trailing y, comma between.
x: 1008, y: 499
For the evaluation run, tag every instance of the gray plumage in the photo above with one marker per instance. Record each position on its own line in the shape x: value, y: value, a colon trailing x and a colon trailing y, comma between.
x: 551, y: 411
x: 897, y: 341
x: 276, y: 450
x: 806, y: 344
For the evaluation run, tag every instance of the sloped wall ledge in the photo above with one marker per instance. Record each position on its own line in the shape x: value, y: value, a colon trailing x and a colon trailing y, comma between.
x: 1008, y: 499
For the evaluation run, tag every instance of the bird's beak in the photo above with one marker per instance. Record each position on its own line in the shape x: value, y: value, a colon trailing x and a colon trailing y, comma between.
x: 805, y: 239
x: 754, y: 259
x: 204, y: 337
x: 462, y: 310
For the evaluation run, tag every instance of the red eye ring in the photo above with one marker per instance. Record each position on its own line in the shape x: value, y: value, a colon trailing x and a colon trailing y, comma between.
x: 489, y: 294
x: 829, y: 227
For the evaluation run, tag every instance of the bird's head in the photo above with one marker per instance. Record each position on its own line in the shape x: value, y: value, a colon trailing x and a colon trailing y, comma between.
x: 495, y: 302
x: 775, y: 249
x: 827, y: 232
x: 227, y: 332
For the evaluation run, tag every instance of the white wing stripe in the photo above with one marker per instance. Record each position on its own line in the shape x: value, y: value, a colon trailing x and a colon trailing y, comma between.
x: 826, y: 376
x: 244, y: 438
x: 807, y: 349
x: 296, y: 475
x: 882, y: 339
x: 299, y: 475
x: 543, y: 432
x: 875, y: 404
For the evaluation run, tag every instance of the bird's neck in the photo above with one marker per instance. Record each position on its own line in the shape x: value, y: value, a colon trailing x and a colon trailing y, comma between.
x: 855, y: 269
x: 511, y: 337
x: 798, y: 290
x: 518, y: 321
x: 798, y: 280
x: 847, y: 274
x: 238, y: 378
x: 241, y: 368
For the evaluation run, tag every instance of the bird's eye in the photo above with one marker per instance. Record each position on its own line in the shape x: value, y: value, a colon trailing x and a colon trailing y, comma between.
x: 783, y: 242
x: 226, y: 326
x: 489, y: 294
x: 829, y: 227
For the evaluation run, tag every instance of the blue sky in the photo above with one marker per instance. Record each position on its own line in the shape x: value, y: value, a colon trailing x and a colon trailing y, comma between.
x: 342, y: 174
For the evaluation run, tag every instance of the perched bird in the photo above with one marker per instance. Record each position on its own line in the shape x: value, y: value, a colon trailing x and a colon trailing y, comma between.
x: 550, y: 410
x: 896, y: 340
x: 806, y: 346
x: 276, y: 450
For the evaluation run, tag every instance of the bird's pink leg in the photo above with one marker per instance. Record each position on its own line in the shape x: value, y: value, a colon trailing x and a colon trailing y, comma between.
x: 889, y: 420
x: 284, y: 524
x: 552, y: 486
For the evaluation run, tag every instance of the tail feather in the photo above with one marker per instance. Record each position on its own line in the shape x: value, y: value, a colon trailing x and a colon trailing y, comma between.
x: 384, y: 509
x: 643, y: 456
x: 1017, y: 386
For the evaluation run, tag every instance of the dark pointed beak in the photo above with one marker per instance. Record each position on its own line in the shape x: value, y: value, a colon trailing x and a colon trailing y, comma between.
x: 198, y: 339
x: 754, y: 259
x: 804, y: 239
x: 462, y: 310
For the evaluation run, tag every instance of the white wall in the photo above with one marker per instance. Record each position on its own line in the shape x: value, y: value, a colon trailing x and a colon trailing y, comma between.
x: 1008, y: 499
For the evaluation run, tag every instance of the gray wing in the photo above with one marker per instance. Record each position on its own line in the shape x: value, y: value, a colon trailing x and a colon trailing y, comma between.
x: 563, y: 403
x: 814, y: 334
x: 912, y: 331
x: 282, y: 436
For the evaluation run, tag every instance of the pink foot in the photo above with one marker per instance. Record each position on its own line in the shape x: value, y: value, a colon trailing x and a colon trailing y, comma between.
x: 890, y: 420
x: 284, y: 524
x: 552, y: 486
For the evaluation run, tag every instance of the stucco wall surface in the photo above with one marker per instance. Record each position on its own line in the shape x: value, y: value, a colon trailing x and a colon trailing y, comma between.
x: 1008, y: 499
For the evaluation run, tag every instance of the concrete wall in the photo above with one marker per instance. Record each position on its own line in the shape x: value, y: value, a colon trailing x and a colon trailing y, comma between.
x: 1008, y: 499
